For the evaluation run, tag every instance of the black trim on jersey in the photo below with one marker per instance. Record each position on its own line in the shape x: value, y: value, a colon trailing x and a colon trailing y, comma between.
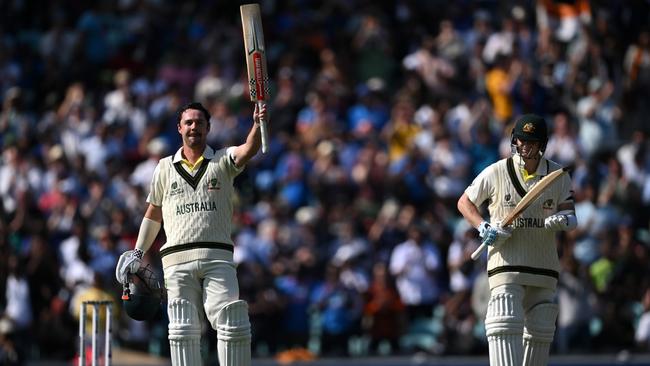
x: 232, y: 160
x: 198, y: 244
x: 192, y: 180
x: 514, y: 179
x: 524, y: 269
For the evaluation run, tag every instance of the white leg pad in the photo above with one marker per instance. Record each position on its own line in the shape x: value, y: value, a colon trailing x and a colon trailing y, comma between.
x: 184, y: 333
x: 504, y: 325
x: 234, y: 334
x: 538, y: 333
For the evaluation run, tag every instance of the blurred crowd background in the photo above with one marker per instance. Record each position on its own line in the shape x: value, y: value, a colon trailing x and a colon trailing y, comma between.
x: 347, y: 234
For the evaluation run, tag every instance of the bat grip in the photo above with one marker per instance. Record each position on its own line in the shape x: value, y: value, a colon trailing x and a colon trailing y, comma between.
x: 481, y: 248
x: 477, y: 253
x: 263, y: 131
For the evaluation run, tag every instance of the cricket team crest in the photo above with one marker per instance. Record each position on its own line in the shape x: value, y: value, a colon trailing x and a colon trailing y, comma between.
x: 175, y: 189
x: 214, y: 184
x: 548, y: 204
x: 528, y: 128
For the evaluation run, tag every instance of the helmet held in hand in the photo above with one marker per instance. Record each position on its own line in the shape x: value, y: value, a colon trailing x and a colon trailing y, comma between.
x: 142, y: 295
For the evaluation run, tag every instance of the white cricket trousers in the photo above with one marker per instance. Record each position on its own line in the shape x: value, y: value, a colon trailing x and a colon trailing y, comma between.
x: 209, y: 284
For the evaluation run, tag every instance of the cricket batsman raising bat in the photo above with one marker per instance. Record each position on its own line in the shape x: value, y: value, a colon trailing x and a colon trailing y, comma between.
x: 258, y: 77
x: 530, y: 199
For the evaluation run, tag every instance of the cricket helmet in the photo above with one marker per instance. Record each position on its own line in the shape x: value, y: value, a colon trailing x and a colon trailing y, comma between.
x: 530, y: 127
x: 142, y: 295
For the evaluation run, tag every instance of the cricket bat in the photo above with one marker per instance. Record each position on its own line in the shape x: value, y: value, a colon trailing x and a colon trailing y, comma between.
x: 258, y: 77
x: 525, y: 202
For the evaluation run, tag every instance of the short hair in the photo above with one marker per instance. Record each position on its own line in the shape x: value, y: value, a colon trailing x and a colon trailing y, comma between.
x: 192, y: 105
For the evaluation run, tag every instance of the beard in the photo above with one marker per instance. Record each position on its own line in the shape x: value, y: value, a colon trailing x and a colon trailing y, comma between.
x: 194, y: 141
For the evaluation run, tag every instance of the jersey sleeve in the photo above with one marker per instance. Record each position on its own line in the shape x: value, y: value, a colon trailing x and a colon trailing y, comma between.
x: 156, y: 190
x: 567, y: 190
x: 233, y: 170
x: 565, y: 185
x: 480, y: 189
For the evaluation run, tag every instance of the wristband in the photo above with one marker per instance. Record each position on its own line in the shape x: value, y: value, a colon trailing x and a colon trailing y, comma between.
x: 147, y: 234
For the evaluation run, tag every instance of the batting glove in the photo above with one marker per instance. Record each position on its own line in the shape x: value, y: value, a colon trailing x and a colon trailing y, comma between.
x: 563, y: 220
x: 493, y: 236
x: 129, y: 262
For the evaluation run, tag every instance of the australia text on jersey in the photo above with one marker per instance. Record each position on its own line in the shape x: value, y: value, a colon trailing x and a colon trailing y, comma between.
x: 196, y: 207
x: 528, y: 222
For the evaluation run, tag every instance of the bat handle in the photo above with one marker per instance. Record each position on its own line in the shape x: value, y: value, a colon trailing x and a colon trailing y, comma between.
x: 263, y: 131
x: 477, y: 253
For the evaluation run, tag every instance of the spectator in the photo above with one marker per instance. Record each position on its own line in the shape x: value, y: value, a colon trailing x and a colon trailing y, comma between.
x: 295, y: 288
x: 642, y: 334
x: 576, y: 300
x: 340, y: 312
x: 18, y: 313
x: 499, y: 82
x: 563, y: 146
x: 415, y: 264
x: 434, y: 70
x: 264, y: 305
x: 384, y: 310
x: 143, y: 172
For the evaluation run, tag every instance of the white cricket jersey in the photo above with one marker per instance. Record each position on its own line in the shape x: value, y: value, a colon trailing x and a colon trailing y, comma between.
x: 529, y: 256
x: 197, y: 208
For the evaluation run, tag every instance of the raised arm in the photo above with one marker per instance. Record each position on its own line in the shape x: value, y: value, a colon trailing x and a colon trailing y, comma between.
x: 244, y: 152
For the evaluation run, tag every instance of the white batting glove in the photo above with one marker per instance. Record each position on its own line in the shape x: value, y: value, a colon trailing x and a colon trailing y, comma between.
x: 563, y: 220
x: 495, y: 235
x: 556, y: 222
x: 129, y: 262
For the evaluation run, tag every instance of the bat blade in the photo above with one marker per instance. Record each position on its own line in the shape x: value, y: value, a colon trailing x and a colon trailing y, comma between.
x: 258, y: 77
x: 532, y: 195
x: 525, y: 202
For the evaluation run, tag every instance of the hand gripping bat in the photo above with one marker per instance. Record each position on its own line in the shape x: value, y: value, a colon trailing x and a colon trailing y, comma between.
x: 525, y: 202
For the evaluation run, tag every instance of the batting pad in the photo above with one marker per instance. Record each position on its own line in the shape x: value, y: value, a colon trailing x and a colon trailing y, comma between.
x: 234, y: 334
x: 184, y: 333
x: 538, y: 333
x: 504, y: 325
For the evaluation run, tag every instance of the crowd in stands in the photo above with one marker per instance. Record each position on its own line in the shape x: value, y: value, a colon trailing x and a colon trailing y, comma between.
x: 347, y: 235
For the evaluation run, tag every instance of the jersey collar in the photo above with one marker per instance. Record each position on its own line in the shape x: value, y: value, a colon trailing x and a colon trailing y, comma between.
x: 208, y: 153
